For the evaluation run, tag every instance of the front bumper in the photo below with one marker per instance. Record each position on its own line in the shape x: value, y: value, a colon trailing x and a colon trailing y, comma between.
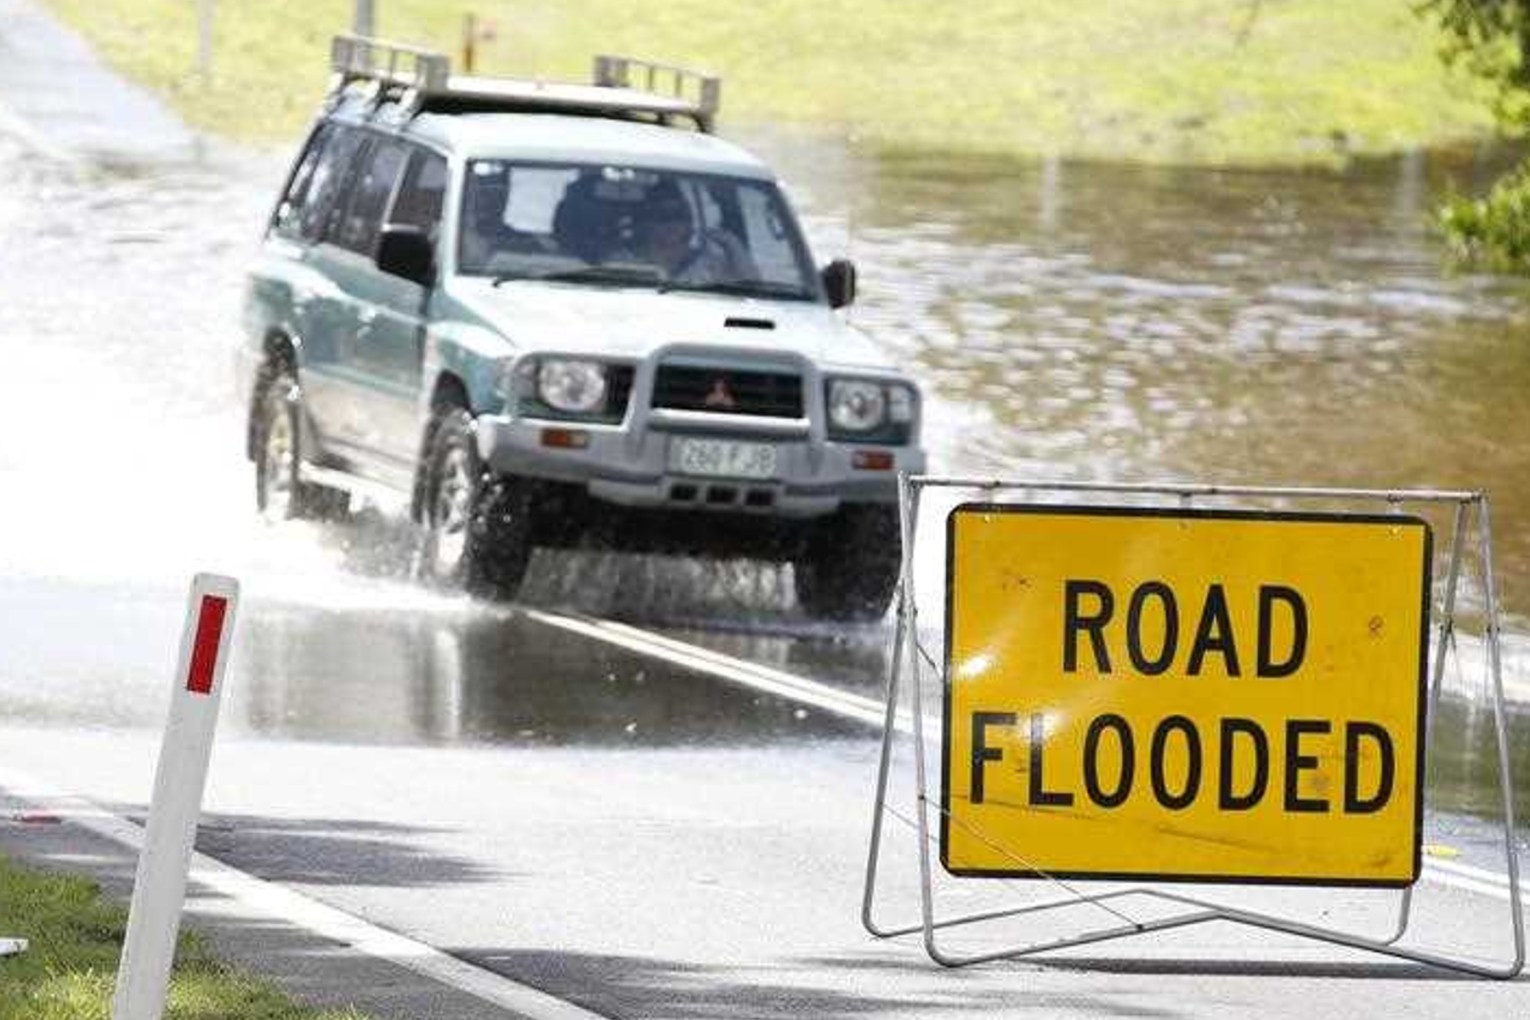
x: 631, y: 467
x: 630, y: 464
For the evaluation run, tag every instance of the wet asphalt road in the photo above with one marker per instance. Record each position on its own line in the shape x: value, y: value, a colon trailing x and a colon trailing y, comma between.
x: 706, y: 882
x: 647, y: 838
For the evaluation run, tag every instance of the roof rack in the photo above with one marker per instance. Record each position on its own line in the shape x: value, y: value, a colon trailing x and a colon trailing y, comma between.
x: 360, y: 58
x: 422, y: 80
x: 617, y: 72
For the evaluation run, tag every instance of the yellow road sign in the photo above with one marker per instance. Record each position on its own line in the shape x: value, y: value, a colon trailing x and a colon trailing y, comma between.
x: 1184, y: 695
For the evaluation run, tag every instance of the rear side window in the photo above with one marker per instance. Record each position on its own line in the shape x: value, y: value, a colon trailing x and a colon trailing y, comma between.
x: 328, y: 181
x: 422, y: 194
x: 287, y: 218
x: 361, y: 219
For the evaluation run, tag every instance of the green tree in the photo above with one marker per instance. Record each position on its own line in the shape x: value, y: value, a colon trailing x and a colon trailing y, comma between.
x: 1491, y: 38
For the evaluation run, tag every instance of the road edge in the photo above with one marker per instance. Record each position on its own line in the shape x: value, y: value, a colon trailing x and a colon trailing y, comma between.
x: 250, y: 899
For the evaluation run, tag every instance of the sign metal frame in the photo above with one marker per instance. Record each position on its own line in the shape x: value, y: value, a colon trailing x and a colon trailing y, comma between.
x: 911, y: 663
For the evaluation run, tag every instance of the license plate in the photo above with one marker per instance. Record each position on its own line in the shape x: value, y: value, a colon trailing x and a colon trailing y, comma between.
x: 721, y: 458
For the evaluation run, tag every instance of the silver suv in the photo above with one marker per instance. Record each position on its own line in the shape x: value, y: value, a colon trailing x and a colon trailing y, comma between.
x: 565, y: 315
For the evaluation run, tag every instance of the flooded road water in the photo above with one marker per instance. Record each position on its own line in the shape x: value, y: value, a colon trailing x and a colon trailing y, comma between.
x: 1067, y: 321
x: 1138, y: 323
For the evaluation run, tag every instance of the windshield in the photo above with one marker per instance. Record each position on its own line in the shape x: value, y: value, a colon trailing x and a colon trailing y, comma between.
x: 631, y: 226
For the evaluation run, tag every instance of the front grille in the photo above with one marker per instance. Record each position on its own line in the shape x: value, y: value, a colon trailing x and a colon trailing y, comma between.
x: 728, y: 391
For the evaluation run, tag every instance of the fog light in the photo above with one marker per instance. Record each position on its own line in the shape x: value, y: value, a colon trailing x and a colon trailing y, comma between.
x: 872, y: 460
x: 565, y: 439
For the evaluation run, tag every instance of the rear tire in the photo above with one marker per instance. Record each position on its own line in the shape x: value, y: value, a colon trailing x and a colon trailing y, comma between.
x: 280, y: 492
x: 478, y: 526
x: 848, y: 569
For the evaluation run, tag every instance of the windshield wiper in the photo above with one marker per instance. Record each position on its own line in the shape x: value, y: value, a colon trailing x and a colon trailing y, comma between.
x: 614, y: 273
x: 747, y: 288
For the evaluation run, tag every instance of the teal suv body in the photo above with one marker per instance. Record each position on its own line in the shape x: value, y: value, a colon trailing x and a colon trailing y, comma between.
x: 562, y: 322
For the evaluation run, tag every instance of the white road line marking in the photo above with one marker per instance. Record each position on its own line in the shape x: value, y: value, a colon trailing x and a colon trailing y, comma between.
x: 304, y: 912
x: 868, y: 710
x: 1489, y: 889
x: 725, y: 667
x: 1473, y: 879
x: 1468, y: 871
x: 29, y: 137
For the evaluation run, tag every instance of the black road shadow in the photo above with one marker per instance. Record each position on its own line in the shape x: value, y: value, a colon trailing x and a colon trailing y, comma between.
x: 329, y: 851
x: 1356, y: 970
x: 635, y: 986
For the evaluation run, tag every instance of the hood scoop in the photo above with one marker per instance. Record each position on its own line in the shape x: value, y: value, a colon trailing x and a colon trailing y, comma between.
x: 737, y: 322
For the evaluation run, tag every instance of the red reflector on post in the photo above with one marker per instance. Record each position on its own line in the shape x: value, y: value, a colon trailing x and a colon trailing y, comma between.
x: 204, y: 649
x: 565, y: 439
x: 872, y: 460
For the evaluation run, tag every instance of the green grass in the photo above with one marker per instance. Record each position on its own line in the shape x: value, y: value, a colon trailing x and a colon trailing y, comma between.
x: 1182, y: 81
x: 70, y: 968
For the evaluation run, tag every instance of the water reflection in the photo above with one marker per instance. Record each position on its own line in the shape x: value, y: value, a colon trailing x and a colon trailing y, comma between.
x: 1464, y: 759
x: 479, y: 677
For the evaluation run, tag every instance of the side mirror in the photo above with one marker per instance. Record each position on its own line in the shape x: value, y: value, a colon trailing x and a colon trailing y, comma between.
x: 406, y: 251
x: 839, y: 282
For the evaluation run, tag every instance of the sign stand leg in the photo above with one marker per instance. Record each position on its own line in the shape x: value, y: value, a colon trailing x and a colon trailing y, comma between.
x: 916, y: 673
x: 884, y: 766
x: 1444, y: 640
x: 1500, y: 727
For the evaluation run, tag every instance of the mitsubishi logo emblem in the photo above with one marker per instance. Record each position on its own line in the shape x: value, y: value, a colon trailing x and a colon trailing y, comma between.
x: 718, y: 397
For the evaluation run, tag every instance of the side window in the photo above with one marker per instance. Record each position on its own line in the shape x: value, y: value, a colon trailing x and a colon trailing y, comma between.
x: 422, y: 194
x: 329, y: 175
x: 288, y: 216
x: 362, y: 216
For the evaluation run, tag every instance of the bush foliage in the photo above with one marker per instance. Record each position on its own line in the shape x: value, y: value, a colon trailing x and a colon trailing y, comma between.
x: 1492, y: 232
x: 1491, y: 39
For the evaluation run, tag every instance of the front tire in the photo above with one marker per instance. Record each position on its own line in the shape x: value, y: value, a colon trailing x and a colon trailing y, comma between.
x: 848, y: 569
x: 478, y: 525
x: 280, y: 492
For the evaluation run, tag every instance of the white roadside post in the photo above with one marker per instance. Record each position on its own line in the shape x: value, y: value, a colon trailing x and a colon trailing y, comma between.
x: 159, y: 891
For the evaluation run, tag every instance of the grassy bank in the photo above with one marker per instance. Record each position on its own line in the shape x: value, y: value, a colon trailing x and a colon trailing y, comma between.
x: 69, y: 970
x: 1196, y: 81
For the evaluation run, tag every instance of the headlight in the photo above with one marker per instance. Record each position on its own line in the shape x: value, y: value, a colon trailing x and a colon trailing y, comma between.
x: 577, y: 387
x: 857, y: 406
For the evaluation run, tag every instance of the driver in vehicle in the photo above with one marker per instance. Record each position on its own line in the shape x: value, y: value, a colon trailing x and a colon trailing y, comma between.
x: 668, y: 237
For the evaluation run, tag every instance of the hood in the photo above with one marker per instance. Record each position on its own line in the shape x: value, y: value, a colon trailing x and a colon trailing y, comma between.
x: 632, y: 322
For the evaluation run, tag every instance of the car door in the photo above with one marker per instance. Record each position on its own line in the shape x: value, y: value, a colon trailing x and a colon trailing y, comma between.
x: 370, y: 390
x: 322, y: 318
x: 394, y: 349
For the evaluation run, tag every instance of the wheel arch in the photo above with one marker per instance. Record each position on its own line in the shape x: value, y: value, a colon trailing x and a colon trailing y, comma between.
x: 279, y: 350
x: 449, y: 392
